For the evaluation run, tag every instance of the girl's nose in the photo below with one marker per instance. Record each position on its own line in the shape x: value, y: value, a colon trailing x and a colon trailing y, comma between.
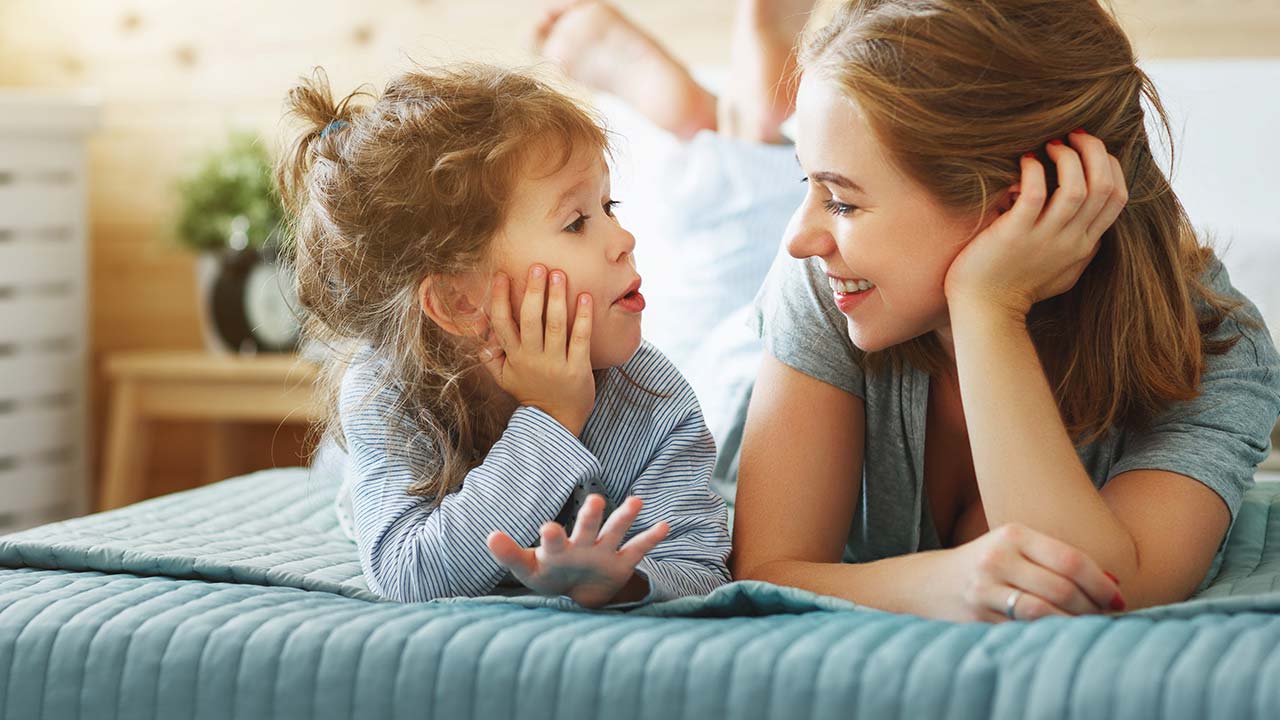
x: 805, y: 238
x: 622, y: 245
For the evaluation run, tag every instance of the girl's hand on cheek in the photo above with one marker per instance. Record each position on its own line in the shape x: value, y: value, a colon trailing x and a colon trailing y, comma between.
x: 1040, y: 247
x: 589, y: 567
x: 541, y: 366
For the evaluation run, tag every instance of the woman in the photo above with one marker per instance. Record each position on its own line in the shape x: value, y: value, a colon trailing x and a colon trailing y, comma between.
x: 1001, y: 322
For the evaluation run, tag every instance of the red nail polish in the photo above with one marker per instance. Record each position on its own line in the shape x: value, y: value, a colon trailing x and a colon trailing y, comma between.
x: 1117, y: 603
x: 1031, y: 156
x: 1078, y: 131
x: 1055, y: 141
x: 1114, y: 579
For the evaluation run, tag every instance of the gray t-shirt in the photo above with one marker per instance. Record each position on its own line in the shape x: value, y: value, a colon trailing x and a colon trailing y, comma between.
x: 1218, y: 438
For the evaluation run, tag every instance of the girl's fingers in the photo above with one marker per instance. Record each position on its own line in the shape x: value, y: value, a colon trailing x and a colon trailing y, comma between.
x: 580, y: 342
x: 494, y: 361
x: 640, y: 545
x: 553, y: 538
x: 519, y: 560
x: 587, y: 525
x: 500, y: 324
x: 531, y: 309
x: 556, y: 322
x: 616, y: 527
x: 1072, y: 564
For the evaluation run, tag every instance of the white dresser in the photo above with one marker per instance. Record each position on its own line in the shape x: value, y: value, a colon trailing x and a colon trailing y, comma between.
x: 44, y: 329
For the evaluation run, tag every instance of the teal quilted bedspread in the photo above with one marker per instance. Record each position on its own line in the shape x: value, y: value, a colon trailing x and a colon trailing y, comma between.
x: 244, y: 600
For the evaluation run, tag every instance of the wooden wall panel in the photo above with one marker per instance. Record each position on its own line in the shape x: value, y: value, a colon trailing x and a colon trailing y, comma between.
x: 176, y: 76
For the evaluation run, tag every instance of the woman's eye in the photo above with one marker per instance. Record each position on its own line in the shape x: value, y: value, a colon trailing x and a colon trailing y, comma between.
x: 838, y: 208
x: 609, y: 206
x: 578, y: 225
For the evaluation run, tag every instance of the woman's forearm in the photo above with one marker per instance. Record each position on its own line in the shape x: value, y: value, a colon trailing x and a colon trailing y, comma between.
x: 897, y: 584
x: 1027, y: 468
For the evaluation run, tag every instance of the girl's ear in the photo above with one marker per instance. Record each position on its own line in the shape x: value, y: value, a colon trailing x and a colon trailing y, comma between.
x: 448, y: 302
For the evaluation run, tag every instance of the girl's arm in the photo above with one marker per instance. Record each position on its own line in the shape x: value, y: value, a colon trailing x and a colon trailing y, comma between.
x: 412, y: 552
x: 676, y: 488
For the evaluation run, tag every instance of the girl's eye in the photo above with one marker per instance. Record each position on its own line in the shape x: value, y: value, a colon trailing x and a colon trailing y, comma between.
x: 609, y: 206
x: 838, y: 208
x: 578, y: 225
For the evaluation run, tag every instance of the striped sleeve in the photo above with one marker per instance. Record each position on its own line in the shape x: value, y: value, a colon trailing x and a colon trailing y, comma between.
x: 676, y: 487
x: 413, y: 552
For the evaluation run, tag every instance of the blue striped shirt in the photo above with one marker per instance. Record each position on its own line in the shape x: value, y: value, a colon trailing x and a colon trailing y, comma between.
x: 634, y: 443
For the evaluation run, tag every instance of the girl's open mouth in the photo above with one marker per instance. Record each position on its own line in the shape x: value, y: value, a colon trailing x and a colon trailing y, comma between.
x: 631, y: 301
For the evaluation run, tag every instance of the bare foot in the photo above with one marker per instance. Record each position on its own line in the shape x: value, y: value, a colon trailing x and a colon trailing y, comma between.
x: 762, y: 92
x: 601, y: 48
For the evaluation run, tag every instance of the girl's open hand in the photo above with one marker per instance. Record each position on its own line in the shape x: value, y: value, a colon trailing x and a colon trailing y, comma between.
x: 589, y: 567
x: 1036, y: 251
x: 541, y: 366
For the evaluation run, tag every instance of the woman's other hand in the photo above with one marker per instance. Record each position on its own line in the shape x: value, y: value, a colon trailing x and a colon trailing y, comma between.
x: 1016, y: 573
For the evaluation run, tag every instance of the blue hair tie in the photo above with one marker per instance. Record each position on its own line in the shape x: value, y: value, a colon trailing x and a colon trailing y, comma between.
x: 334, y: 126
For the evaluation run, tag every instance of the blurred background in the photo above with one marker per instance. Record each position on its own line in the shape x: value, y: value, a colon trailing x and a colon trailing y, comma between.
x: 135, y: 244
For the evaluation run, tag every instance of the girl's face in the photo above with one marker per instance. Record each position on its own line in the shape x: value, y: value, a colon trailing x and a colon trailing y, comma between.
x: 884, y: 242
x: 564, y: 221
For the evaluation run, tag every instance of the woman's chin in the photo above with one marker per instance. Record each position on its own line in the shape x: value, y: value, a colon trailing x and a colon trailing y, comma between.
x: 866, y: 339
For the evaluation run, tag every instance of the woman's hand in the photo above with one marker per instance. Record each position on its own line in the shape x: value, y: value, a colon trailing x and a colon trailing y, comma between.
x: 538, y: 366
x: 589, y: 567
x: 1036, y: 251
x: 1039, y: 575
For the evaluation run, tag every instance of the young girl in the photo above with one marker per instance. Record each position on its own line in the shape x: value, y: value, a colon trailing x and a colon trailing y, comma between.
x: 456, y: 250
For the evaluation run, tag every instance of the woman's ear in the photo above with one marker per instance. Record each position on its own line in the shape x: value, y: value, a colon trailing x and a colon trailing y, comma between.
x: 1007, y: 199
x: 452, y: 304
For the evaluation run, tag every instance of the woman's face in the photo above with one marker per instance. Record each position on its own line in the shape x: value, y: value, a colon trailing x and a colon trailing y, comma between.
x: 884, y: 242
x: 564, y: 221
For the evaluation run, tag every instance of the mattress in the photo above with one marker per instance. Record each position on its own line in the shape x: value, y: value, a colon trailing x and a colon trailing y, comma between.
x: 243, y: 599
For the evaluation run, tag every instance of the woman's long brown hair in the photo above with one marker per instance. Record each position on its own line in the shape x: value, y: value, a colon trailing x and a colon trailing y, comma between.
x: 959, y: 90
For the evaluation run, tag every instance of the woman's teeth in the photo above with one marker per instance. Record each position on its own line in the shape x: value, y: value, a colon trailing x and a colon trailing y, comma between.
x: 850, y: 286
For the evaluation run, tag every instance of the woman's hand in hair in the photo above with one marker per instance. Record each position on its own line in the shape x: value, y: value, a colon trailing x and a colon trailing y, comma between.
x: 1044, y: 577
x: 541, y: 365
x: 1039, y: 247
x: 588, y: 566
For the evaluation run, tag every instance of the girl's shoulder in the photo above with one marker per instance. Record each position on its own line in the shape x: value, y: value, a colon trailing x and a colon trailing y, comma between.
x: 367, y: 376
x: 370, y: 397
x: 651, y: 375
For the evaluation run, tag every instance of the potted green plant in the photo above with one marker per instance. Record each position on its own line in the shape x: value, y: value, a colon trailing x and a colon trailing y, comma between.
x: 231, y: 216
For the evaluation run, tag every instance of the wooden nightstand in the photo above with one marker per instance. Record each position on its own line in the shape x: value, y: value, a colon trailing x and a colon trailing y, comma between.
x: 222, y: 390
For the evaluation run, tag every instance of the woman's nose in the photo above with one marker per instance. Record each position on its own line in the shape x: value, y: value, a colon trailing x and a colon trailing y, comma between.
x: 805, y: 238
